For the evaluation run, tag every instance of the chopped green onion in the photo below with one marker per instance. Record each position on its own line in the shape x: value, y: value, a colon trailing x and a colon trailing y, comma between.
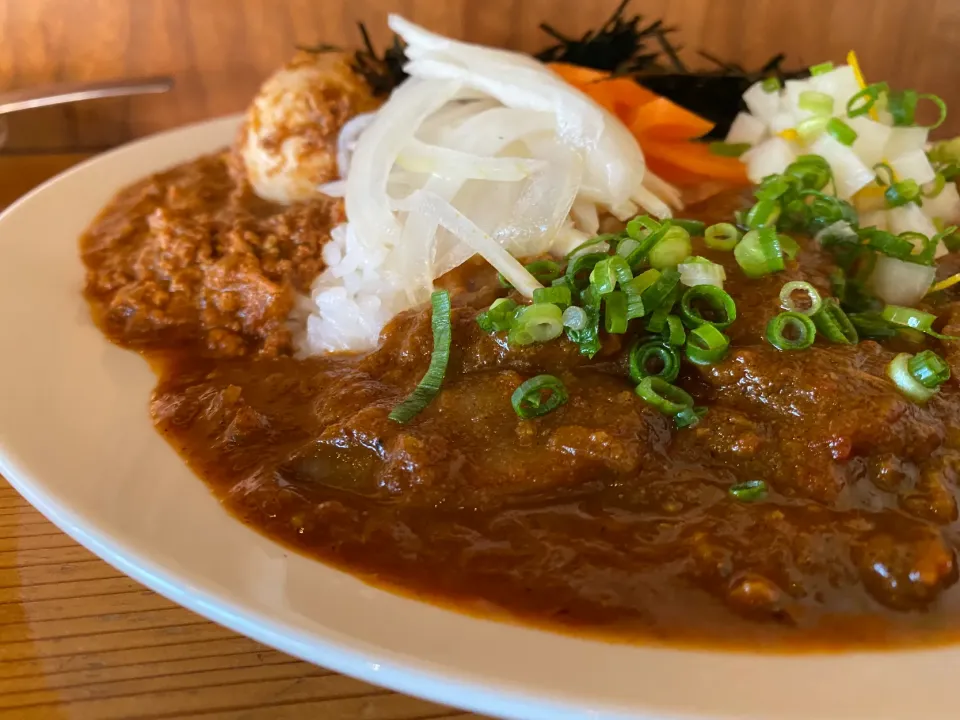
x: 706, y: 345
x: 901, y: 193
x: 929, y: 369
x: 615, y: 312
x: 916, y: 319
x: 726, y: 149
x: 821, y: 69
x: 574, y: 318
x: 888, y: 174
x: 812, y: 172
x: 653, y: 359
x: 603, y: 277
x: 499, y: 316
x: 800, y: 326
x: 579, y: 249
x: 667, y: 398
x: 536, y: 323
x: 429, y: 385
x: 818, y: 103
x: 722, y: 308
x: 582, y: 264
x: 863, y: 102
x: 941, y: 106
x: 872, y: 325
x: 626, y: 247
x: 773, y: 187
x: 842, y: 132
x: 587, y: 338
x: 640, y: 225
x: 722, y: 236
x: 558, y: 295
x: 674, y: 247
x: 688, y: 417
x: 834, y: 324
x: 759, y: 253
x: 673, y: 332
x: 810, y: 128
x: 749, y: 491
x: 811, y: 302
x: 933, y: 188
x: 545, y: 271
x: 825, y: 210
x: 902, y: 106
x: 887, y: 243
x: 657, y: 323
x: 771, y: 84
x: 788, y: 246
x: 694, y: 228
x: 538, y: 396
x: 764, y: 213
x: 899, y: 371
x: 656, y: 294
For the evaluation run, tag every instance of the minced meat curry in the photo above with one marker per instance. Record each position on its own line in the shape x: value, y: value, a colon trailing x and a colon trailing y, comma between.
x: 600, y: 515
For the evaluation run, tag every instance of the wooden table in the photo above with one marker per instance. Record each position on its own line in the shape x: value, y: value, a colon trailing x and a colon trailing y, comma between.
x: 81, y: 641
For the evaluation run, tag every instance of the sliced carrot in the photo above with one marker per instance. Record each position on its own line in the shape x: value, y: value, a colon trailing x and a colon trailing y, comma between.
x: 663, y: 119
x: 576, y: 75
x: 696, y: 158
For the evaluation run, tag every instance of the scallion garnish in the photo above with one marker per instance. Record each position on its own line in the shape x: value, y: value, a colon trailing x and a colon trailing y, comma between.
x: 540, y: 322
x: 668, y: 399
x: 834, y: 324
x: 759, y: 253
x: 615, y: 312
x: 863, y: 102
x: 545, y: 271
x: 657, y: 293
x: 916, y: 319
x: 558, y: 295
x: 791, y: 331
x: 887, y: 243
x: 603, y: 277
x: 819, y: 103
x: 842, y: 132
x: 821, y: 68
x: 726, y: 149
x: 720, y: 306
x: 694, y: 228
x: 918, y: 376
x: 764, y: 214
x: 429, y: 385
x: 583, y: 264
x: 903, y: 192
x: 653, y: 359
x: 772, y: 84
x: 673, y: 331
x: 811, y: 171
x: 749, y: 491
x: 672, y: 249
x: 499, y: 316
x: 706, y: 345
x: 811, y: 300
x: 722, y: 236
x: 688, y: 417
x: 538, y: 396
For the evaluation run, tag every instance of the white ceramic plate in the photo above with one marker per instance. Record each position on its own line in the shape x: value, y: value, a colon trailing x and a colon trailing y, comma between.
x: 77, y: 441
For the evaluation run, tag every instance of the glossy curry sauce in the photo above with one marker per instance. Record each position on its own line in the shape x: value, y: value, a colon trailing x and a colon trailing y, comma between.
x: 599, y: 517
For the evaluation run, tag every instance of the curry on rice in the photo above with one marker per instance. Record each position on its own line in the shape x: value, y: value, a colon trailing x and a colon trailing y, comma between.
x: 800, y: 498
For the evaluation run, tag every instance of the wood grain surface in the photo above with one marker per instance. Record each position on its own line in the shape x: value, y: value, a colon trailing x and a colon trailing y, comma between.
x: 220, y: 50
x: 81, y: 641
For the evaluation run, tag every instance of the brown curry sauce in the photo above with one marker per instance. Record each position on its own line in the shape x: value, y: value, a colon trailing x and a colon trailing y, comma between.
x: 600, y: 516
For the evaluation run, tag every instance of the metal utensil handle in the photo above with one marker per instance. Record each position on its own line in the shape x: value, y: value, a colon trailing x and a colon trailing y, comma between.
x: 72, y: 92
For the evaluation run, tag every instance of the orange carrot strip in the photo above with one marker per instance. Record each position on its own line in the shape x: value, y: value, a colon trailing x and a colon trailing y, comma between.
x: 663, y: 119
x: 695, y: 158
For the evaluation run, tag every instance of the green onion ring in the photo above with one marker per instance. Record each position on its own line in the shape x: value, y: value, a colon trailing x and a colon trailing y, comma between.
x: 841, y: 132
x: 673, y: 332
x: 916, y: 319
x: 899, y: 371
x: 749, y: 491
x: 812, y: 296
x: 668, y: 399
x: 499, y: 316
x: 834, y: 324
x: 615, y: 312
x: 722, y: 236
x: 642, y: 354
x: 800, y: 323
x: 706, y: 345
x: 558, y: 295
x: 694, y: 228
x: 580, y: 264
x: 528, y: 400
x: 718, y: 300
x: 689, y: 417
x: 429, y: 385
x: 929, y: 369
x: 759, y: 253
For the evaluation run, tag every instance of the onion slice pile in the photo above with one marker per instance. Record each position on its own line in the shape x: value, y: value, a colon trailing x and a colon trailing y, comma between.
x: 480, y: 151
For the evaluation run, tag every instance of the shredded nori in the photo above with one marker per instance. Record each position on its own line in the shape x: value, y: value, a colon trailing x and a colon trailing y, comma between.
x: 622, y: 46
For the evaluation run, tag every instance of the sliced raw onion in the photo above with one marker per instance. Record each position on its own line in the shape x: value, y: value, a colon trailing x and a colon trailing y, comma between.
x: 898, y: 282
